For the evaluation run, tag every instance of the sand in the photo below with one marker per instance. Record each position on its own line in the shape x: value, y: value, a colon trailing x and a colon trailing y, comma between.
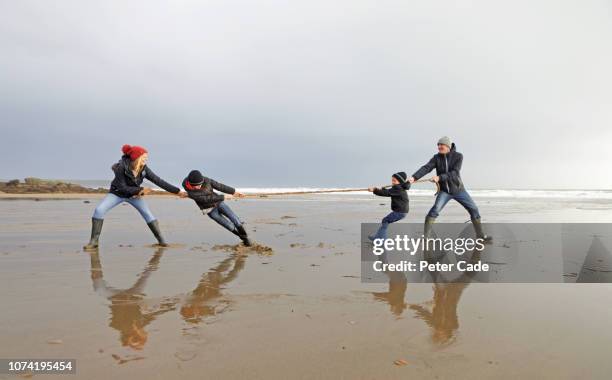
x: 68, y: 196
x: 208, y: 308
x: 257, y: 248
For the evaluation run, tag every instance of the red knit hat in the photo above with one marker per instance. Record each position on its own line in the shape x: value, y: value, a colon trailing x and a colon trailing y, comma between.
x: 133, y: 151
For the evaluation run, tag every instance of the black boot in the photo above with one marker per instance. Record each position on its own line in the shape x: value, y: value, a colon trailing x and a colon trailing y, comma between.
x: 96, y: 229
x: 479, y: 232
x: 154, y: 226
x: 242, y: 234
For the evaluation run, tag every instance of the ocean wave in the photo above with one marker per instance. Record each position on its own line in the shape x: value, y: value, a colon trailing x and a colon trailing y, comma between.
x: 556, y: 194
x: 494, y: 193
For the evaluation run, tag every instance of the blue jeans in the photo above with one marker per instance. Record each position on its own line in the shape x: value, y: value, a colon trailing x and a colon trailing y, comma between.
x: 224, y: 215
x: 393, y: 217
x: 111, y: 200
x: 462, y: 197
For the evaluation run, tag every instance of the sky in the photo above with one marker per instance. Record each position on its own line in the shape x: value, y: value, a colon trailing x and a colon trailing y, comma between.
x: 309, y: 93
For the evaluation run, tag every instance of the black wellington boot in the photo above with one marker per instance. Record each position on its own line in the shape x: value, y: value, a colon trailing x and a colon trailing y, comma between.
x: 479, y: 232
x: 242, y: 234
x: 154, y: 226
x: 96, y: 229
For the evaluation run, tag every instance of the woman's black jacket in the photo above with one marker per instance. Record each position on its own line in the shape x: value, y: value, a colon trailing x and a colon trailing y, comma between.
x: 126, y: 185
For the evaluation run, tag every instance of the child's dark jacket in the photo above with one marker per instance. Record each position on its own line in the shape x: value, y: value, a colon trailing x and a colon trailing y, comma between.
x: 398, y: 194
x: 205, y: 197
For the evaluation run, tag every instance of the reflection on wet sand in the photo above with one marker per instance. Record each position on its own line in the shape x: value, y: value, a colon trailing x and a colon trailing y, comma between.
x: 442, y: 318
x: 597, y: 265
x: 206, y: 299
x: 440, y: 314
x: 131, y: 311
x: 395, y: 296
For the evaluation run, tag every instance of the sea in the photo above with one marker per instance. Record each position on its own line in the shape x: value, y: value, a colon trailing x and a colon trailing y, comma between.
x: 424, y: 191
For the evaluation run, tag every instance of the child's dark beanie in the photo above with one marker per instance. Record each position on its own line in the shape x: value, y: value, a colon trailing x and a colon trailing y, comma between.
x: 195, y: 177
x: 401, y: 177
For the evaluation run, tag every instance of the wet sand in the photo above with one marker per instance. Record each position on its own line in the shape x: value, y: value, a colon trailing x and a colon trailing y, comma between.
x: 202, y: 309
x: 65, y: 196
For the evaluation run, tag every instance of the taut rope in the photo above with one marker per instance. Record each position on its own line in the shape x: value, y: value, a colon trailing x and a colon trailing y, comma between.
x: 333, y: 190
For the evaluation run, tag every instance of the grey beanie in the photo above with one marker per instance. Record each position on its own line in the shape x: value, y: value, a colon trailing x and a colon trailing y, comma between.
x: 445, y: 140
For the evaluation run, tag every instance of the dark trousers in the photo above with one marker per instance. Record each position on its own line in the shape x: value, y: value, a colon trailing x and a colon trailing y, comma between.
x: 393, y: 217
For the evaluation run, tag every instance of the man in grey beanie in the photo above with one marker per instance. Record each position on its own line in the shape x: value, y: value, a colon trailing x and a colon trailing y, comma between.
x: 447, y: 163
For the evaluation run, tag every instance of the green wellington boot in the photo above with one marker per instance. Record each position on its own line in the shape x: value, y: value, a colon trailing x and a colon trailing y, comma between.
x: 429, y: 253
x: 154, y: 226
x: 429, y: 221
x: 96, y: 229
x: 479, y: 232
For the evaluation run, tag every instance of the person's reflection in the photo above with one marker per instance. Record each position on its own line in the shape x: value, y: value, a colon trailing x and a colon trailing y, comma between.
x: 397, y: 290
x: 597, y: 265
x: 129, y: 313
x: 442, y: 318
x: 206, y: 299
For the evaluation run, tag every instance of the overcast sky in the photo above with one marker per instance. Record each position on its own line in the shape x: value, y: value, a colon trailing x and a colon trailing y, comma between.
x: 309, y: 93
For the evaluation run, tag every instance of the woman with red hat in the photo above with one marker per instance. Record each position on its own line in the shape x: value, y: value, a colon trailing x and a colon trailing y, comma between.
x: 130, y: 172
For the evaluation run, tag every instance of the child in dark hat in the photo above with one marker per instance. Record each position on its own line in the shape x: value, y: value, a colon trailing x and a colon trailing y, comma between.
x: 399, y: 202
x: 201, y: 190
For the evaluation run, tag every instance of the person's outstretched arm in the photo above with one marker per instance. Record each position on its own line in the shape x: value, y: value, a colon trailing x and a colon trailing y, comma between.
x: 222, y: 187
x: 382, y: 192
x: 425, y: 169
x: 160, y: 182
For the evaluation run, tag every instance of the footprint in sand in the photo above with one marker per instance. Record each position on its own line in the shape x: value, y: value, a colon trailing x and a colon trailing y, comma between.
x: 298, y: 245
x: 240, y: 248
x: 323, y: 245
